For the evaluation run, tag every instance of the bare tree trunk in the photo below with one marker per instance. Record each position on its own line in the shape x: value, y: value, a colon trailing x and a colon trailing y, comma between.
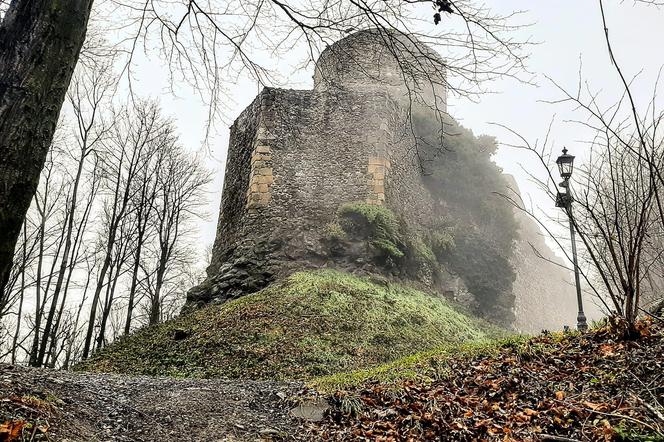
x: 155, y: 305
x: 143, y: 213
x: 63, y: 263
x: 70, y: 347
x: 40, y: 41
x: 40, y: 264
x: 78, y: 240
x: 134, y: 283
x: 108, y: 303
x: 21, y: 296
x: 95, y: 300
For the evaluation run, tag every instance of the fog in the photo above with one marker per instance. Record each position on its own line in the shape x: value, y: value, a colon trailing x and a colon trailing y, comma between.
x: 568, y: 45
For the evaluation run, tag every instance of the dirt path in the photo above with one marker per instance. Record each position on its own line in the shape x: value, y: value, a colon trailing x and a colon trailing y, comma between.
x: 103, y: 407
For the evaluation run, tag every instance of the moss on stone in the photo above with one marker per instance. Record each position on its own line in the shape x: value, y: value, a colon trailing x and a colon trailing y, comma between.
x: 334, y: 232
x: 310, y: 324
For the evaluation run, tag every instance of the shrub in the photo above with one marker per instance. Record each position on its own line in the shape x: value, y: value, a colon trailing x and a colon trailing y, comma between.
x: 388, y: 248
x: 422, y: 253
x: 334, y: 231
x: 377, y: 222
x: 442, y: 243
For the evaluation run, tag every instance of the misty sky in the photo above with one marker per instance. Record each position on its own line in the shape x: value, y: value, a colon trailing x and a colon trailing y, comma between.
x: 570, y: 34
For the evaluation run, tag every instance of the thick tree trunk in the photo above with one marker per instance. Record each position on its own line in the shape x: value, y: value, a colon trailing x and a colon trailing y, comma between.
x: 40, y: 41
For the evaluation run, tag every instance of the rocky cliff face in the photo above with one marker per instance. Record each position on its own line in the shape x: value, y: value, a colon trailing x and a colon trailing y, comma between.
x: 298, y: 160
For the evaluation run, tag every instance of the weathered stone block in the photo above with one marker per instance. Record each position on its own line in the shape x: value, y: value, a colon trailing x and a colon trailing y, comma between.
x: 260, y: 157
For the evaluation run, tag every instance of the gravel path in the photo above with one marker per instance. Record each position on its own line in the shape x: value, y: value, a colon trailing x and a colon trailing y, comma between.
x: 105, y: 407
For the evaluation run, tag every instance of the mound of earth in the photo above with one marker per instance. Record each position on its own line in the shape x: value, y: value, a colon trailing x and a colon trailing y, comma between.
x: 310, y: 324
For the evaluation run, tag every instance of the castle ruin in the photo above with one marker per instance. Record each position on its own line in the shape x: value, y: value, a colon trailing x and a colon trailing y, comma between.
x: 296, y: 156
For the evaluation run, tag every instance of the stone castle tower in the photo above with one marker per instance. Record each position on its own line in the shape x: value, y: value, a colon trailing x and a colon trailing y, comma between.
x: 296, y: 156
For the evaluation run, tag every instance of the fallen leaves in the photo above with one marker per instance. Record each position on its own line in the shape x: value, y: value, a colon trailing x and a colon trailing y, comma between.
x: 25, y: 418
x: 12, y: 430
x: 579, y: 387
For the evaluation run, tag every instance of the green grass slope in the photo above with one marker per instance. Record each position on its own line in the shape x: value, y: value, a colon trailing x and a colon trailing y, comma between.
x: 311, y: 324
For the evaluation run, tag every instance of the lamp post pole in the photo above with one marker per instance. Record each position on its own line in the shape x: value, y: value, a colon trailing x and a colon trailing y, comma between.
x: 565, y: 164
x: 581, y: 322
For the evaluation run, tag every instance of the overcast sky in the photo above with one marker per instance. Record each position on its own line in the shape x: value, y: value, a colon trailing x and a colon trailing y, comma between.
x: 570, y: 34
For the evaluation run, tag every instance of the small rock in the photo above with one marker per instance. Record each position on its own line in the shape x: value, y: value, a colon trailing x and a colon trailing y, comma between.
x: 269, y: 434
x: 313, y: 410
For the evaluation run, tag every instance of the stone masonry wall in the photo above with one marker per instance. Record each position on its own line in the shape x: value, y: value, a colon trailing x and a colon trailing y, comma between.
x: 295, y: 158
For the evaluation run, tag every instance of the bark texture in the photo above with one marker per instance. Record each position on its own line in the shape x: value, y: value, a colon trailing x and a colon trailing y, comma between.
x: 40, y: 41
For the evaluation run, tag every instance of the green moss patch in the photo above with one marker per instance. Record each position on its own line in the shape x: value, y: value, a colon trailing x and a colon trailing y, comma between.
x: 311, y: 324
x: 377, y: 222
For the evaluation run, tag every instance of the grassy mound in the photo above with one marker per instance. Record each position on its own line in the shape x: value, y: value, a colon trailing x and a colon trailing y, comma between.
x: 311, y: 324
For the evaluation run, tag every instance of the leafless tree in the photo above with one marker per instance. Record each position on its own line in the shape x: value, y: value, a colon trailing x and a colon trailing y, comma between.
x: 51, y: 219
x: 144, y: 203
x: 122, y: 250
x: 89, y: 92
x: 617, y: 194
x: 181, y: 182
x: 132, y: 135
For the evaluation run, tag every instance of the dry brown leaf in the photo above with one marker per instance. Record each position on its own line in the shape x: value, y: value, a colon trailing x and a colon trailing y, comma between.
x: 10, y: 431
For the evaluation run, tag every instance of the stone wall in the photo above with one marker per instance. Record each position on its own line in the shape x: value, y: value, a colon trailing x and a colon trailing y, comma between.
x: 295, y: 158
x: 376, y: 60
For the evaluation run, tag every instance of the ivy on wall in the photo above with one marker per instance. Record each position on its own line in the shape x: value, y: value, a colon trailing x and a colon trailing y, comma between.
x: 461, y: 175
x: 475, y: 230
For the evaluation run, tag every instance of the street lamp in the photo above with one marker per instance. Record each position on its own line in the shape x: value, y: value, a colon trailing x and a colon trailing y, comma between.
x: 565, y: 164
